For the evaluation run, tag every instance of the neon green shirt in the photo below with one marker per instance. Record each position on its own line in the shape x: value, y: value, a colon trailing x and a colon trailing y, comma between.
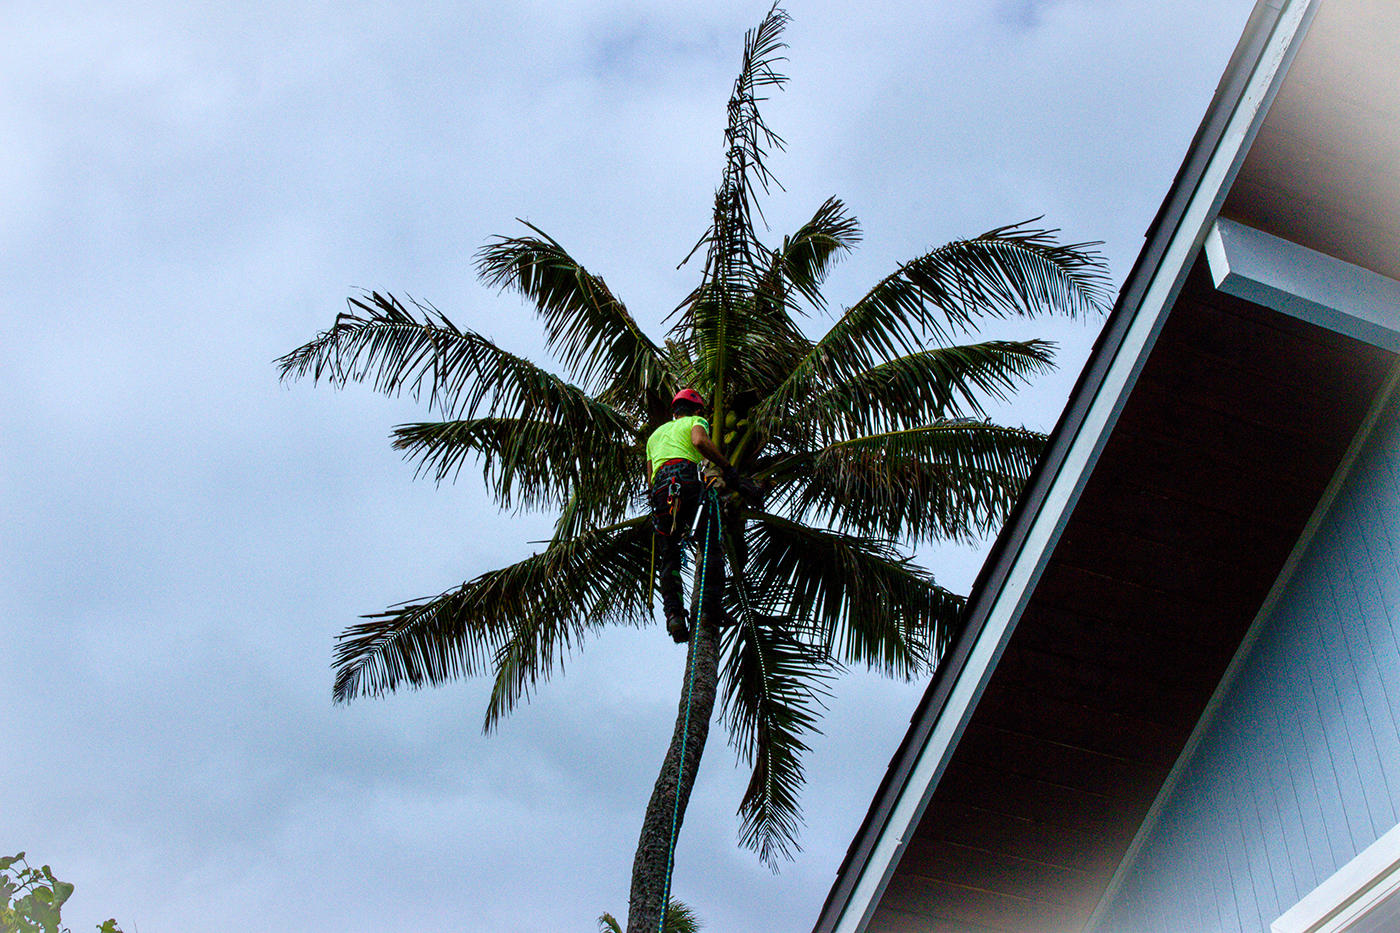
x: 671, y: 441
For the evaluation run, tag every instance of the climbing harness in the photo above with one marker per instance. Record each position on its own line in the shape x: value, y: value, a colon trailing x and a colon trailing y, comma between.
x: 710, y: 507
x: 674, y: 489
x: 673, y: 505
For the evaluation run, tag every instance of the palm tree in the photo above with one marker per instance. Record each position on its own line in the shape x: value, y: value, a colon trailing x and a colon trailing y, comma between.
x: 869, y: 438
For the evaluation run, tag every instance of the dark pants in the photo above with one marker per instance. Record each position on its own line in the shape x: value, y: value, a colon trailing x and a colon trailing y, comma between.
x: 677, y: 495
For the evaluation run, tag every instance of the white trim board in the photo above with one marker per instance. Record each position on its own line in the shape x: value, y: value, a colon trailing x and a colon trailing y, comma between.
x: 1303, y: 283
x: 1345, y: 899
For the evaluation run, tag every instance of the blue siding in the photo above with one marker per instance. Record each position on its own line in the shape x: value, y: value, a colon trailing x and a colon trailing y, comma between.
x: 1300, y: 768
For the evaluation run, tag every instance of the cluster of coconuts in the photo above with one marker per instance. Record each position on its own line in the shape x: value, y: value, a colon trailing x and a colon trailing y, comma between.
x: 733, y: 427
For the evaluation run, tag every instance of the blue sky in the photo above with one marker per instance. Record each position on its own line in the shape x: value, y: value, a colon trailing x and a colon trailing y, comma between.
x: 192, y: 190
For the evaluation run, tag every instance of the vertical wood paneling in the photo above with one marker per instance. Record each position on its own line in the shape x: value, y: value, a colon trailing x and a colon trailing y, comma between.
x: 1288, y: 796
x: 1272, y: 795
x: 1300, y: 769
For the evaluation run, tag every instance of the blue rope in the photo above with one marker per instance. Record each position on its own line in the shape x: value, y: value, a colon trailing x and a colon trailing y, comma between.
x: 711, y: 514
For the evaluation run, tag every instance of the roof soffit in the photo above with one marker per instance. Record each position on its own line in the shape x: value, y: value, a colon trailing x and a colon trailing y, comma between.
x: 1324, y: 170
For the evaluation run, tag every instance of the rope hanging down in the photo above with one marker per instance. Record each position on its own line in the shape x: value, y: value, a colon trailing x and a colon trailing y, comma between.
x: 711, y: 512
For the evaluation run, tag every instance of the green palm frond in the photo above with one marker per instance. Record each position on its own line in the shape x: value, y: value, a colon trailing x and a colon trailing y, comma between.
x: 528, y: 464
x: 807, y: 256
x: 953, y: 481
x: 379, y: 340
x: 598, y: 578
x: 397, y: 349
x: 773, y: 686
x: 765, y: 342
x: 1009, y: 271
x: 594, y: 335
x: 922, y: 388
x: 748, y: 138
x: 761, y: 342
x: 535, y: 607
x: 679, y: 919
x: 865, y: 603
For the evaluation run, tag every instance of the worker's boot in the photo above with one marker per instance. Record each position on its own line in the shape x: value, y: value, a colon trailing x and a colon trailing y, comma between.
x: 677, y: 628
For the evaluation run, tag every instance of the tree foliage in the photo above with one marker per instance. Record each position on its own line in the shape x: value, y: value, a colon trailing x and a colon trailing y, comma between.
x: 679, y: 919
x: 32, y: 899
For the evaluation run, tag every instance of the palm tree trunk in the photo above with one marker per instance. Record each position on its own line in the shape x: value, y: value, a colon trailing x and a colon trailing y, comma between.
x: 649, y: 867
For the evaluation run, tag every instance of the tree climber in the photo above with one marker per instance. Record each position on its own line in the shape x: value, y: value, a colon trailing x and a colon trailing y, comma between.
x: 674, y: 454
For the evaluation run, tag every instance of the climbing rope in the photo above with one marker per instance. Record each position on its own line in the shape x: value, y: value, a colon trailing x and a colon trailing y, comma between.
x: 711, y: 509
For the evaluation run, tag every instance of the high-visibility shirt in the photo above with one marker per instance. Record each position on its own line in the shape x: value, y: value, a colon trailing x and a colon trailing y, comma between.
x: 671, y: 441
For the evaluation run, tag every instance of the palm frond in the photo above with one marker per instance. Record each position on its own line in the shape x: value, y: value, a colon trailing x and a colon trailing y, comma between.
x: 747, y: 135
x: 382, y: 341
x: 807, y: 256
x: 759, y: 340
x: 395, y: 349
x: 594, y: 335
x: 513, y: 622
x: 866, y: 603
x: 952, y: 481
x: 598, y: 578
x: 764, y: 342
x: 773, y: 685
x: 921, y: 388
x: 1008, y: 271
x: 529, y: 463
x: 679, y: 919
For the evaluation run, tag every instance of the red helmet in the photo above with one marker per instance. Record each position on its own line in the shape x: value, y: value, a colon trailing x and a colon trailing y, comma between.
x: 688, y: 395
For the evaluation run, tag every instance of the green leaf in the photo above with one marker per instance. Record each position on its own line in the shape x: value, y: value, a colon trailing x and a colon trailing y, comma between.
x: 773, y: 686
x: 1010, y: 271
x: 920, y: 389
x: 863, y: 603
x: 513, y: 622
x: 954, y: 481
x: 589, y: 328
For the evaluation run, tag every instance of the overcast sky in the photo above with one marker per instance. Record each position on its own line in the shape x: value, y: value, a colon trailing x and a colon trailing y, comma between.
x: 191, y: 190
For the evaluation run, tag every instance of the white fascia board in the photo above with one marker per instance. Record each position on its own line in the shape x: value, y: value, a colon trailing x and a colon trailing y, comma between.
x: 1344, y: 899
x: 1165, y: 282
x: 1303, y: 283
